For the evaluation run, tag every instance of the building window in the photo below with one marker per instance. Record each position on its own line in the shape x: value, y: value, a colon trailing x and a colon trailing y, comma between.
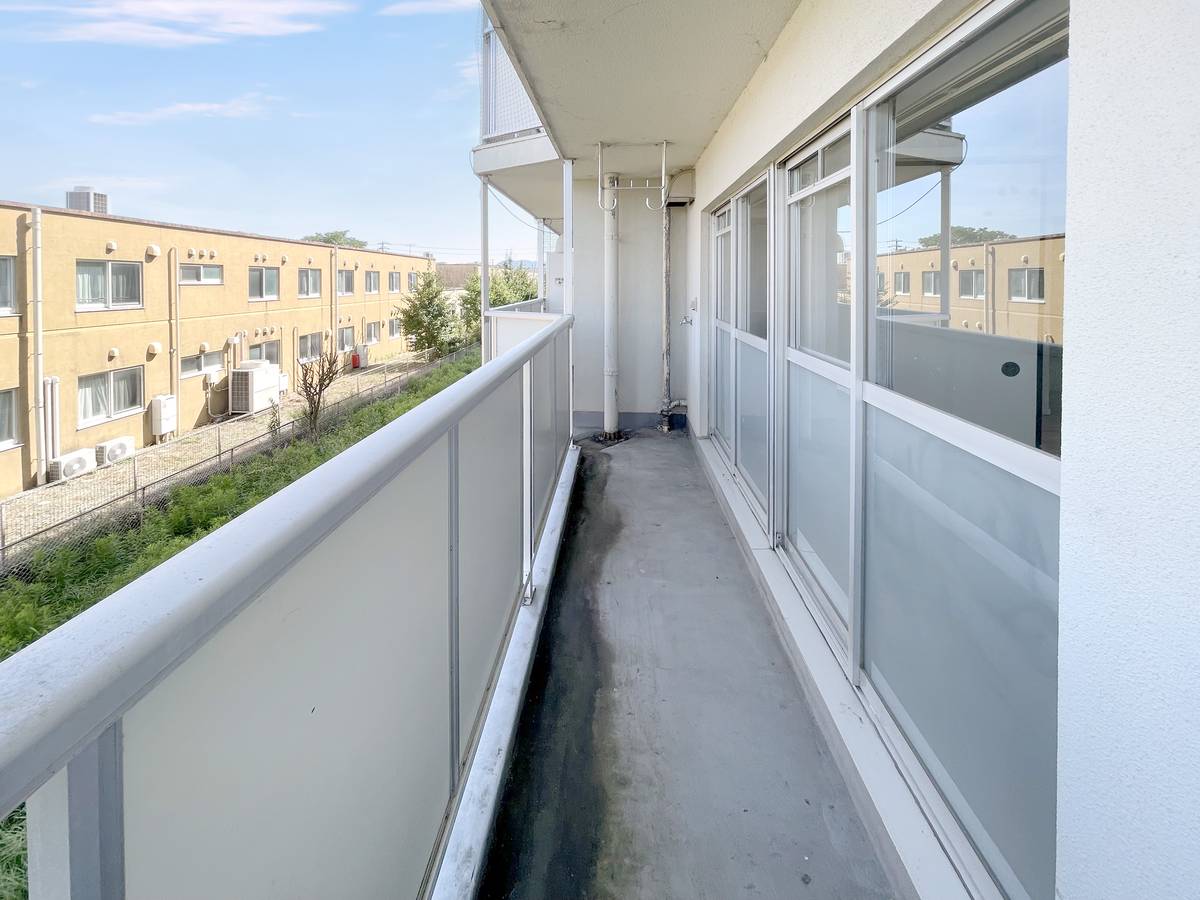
x: 394, y: 282
x: 372, y: 335
x: 345, y: 283
x: 346, y: 338
x: 394, y: 329
x: 413, y: 277
x: 8, y: 297
x: 107, y: 285
x: 971, y: 284
x: 8, y: 418
x: 107, y: 395
x: 264, y: 283
x: 310, y: 347
x: 904, y: 283
x: 201, y: 362
x: 372, y: 283
x: 268, y: 350
x: 193, y: 274
x: 1027, y: 285
x: 310, y: 283
x: 931, y: 283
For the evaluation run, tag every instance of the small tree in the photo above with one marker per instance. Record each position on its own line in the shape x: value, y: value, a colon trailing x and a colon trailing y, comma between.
x: 966, y: 234
x: 340, y: 238
x: 426, y: 317
x: 511, y: 284
x: 315, y: 378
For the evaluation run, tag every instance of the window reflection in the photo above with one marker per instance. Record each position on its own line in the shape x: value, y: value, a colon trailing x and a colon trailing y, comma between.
x: 971, y: 194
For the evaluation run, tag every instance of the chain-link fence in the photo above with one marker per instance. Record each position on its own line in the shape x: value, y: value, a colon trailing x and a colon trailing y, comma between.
x: 113, y: 497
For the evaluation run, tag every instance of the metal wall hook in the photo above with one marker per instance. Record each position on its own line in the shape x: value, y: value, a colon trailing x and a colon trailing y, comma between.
x: 600, y: 180
x: 662, y: 187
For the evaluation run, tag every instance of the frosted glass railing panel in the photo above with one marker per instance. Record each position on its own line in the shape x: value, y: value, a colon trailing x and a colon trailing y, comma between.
x: 562, y: 390
x: 961, y: 629
x: 546, y: 452
x: 490, y: 450
x: 301, y: 752
x: 508, y: 328
x: 818, y: 476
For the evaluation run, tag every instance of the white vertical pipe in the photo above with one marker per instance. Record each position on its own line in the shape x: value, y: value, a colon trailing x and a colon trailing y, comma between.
x: 945, y: 260
x: 173, y: 317
x: 55, y: 416
x: 485, y: 273
x: 611, y: 274
x: 568, y: 248
x: 38, y: 348
x: 541, y: 261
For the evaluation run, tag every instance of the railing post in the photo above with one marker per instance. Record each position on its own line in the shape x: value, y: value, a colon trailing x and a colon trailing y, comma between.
x: 452, y: 543
x: 75, y: 826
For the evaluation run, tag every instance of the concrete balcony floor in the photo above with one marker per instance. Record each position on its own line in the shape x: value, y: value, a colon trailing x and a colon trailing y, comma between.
x: 666, y: 748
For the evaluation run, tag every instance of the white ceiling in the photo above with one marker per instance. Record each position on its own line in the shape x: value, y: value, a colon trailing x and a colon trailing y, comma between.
x: 636, y: 72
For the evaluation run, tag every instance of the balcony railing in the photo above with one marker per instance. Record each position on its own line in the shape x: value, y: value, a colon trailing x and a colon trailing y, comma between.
x: 287, y: 707
x: 505, y: 107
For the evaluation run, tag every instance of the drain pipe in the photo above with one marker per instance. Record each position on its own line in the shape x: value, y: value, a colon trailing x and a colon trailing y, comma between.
x: 38, y: 350
x: 55, y: 430
x: 173, y: 318
x: 664, y: 422
x: 611, y: 237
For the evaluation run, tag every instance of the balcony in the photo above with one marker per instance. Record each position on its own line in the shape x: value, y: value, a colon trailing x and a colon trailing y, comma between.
x: 343, y: 667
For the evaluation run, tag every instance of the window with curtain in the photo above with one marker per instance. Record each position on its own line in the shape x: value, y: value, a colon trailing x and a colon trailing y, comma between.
x: 196, y: 274
x: 8, y: 299
x: 971, y: 284
x: 126, y: 283
x: 412, y: 281
x: 90, y: 284
x: 126, y: 390
x: 268, y: 350
x: 93, y: 397
x: 310, y: 283
x: 345, y: 281
x: 393, y: 282
x: 8, y: 417
x: 372, y: 336
x: 931, y: 284
x: 1027, y: 285
x: 372, y: 282
x: 394, y: 329
x: 904, y: 282
x: 346, y: 338
x: 309, y: 346
x: 264, y: 283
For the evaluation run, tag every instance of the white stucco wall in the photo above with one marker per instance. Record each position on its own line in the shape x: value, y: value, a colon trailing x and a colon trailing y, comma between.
x: 1129, y: 607
x: 639, y: 386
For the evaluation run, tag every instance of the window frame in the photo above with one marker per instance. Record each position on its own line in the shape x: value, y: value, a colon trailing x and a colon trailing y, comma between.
x: 978, y: 277
x: 308, y: 295
x: 8, y: 285
x: 367, y: 332
x: 202, y: 369
x: 300, y: 355
x: 341, y: 332
x: 934, y: 276
x: 276, y: 342
x: 1025, y: 270
x: 395, y: 328
x: 369, y: 276
x: 201, y: 282
x: 906, y: 276
x: 350, y: 274
x: 265, y: 298
x: 81, y: 423
x: 109, y: 305
x: 14, y: 422
x: 395, y: 278
x: 414, y: 280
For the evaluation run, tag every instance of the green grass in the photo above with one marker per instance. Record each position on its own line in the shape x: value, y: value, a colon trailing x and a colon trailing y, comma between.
x: 61, y: 583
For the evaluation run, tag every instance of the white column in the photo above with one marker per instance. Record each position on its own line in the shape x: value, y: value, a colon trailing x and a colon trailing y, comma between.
x: 568, y: 236
x: 484, y: 267
x: 541, y: 261
x: 611, y: 305
x: 1129, y: 625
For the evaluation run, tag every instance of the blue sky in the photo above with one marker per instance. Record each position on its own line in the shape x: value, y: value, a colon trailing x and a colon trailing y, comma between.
x: 277, y: 116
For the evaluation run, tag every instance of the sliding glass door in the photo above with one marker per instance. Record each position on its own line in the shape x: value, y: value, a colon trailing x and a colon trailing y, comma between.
x: 815, y: 396
x: 887, y: 389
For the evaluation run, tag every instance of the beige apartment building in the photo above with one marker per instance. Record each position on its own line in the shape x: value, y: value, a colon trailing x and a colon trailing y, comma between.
x: 133, y: 309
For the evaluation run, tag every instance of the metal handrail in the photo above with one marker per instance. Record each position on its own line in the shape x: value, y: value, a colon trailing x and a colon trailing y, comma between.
x: 61, y: 692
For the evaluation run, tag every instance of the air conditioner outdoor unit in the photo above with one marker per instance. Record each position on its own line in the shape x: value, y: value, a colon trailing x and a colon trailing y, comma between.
x: 252, y: 390
x: 71, y: 464
x: 110, y: 452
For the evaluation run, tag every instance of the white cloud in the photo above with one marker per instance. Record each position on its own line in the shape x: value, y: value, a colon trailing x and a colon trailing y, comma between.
x: 427, y: 7
x: 246, y: 106
x: 468, y: 69
x: 175, y: 23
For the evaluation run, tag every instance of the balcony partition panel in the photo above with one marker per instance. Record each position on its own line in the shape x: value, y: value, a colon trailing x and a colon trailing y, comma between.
x: 285, y: 707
